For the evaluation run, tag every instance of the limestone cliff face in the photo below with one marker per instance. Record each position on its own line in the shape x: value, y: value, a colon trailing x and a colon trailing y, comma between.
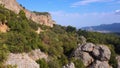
x: 11, y: 5
x: 40, y: 19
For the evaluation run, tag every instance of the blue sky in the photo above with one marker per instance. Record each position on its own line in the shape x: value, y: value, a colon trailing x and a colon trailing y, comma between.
x: 78, y: 13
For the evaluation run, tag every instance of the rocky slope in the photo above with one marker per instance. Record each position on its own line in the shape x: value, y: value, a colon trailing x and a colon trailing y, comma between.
x: 26, y: 60
x: 40, y: 19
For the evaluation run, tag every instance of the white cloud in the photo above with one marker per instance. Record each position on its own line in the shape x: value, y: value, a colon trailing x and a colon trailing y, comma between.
x: 117, y: 12
x: 86, y: 19
x: 86, y: 2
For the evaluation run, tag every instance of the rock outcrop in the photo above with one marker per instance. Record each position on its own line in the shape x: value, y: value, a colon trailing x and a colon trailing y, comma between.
x: 40, y: 19
x: 70, y: 65
x: 93, y: 56
x: 39, y: 30
x: 21, y: 61
x: 3, y: 28
x: 25, y: 60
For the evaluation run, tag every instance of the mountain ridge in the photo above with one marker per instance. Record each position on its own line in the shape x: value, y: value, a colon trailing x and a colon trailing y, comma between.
x: 104, y: 28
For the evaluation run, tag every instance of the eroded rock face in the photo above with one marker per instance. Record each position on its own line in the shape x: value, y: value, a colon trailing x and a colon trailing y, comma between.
x: 40, y: 19
x: 93, y: 56
x: 12, y: 5
x: 70, y: 65
x: 26, y: 60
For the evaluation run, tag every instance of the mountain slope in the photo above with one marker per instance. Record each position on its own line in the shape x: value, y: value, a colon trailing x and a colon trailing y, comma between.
x: 104, y: 28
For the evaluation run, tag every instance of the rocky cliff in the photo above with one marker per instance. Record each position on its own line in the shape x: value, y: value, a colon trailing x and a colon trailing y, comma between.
x: 40, y: 19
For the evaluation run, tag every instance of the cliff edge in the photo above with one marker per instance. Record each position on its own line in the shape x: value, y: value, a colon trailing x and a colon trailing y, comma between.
x: 43, y: 19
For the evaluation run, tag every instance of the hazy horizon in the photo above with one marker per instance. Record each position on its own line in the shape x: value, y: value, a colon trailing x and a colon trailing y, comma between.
x: 78, y: 13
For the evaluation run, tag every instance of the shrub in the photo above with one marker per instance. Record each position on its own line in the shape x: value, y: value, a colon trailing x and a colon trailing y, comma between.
x: 54, y: 64
x: 113, y: 61
x: 3, y: 53
x: 42, y: 63
x: 78, y: 63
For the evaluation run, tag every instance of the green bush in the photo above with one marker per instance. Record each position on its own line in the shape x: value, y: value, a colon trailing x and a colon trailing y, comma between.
x: 41, y: 13
x: 3, y: 53
x: 113, y: 61
x: 54, y: 64
x: 78, y: 63
x: 42, y: 63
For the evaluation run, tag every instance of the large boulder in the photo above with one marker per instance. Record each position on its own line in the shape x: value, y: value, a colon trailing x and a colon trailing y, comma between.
x: 70, y: 65
x: 101, y: 52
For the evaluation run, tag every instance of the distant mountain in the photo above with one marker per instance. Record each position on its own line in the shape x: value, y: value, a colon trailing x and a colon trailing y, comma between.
x: 104, y: 28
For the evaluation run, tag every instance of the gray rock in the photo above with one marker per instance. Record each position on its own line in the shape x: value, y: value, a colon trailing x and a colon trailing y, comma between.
x: 99, y: 64
x: 118, y: 60
x: 70, y: 65
x: 98, y: 55
x: 88, y: 47
x: 101, y: 52
x: 86, y: 58
x: 96, y: 52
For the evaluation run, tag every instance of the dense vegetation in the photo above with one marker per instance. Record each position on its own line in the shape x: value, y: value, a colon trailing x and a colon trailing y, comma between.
x: 41, y: 13
x: 58, y: 42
